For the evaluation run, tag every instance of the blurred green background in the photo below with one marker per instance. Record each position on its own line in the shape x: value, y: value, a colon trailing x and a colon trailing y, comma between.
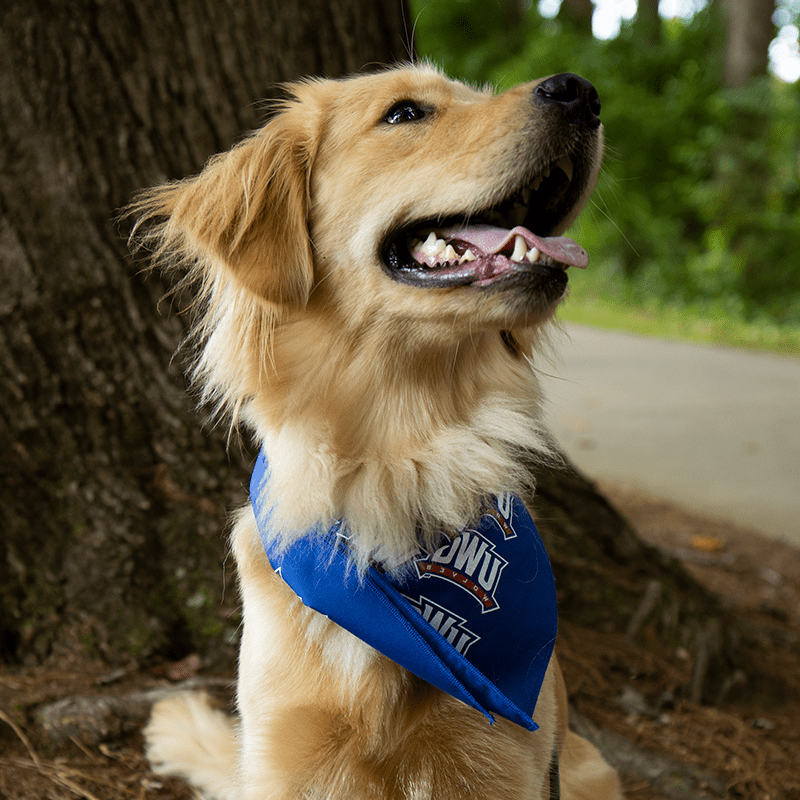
x: 694, y: 228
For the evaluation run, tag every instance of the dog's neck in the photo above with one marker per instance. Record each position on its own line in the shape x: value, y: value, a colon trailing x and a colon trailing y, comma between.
x: 402, y: 442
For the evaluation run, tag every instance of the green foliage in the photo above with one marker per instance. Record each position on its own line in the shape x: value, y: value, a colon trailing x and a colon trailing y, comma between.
x: 699, y: 199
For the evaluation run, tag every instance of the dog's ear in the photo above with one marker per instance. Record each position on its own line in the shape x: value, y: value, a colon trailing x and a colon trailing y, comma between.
x: 246, y: 212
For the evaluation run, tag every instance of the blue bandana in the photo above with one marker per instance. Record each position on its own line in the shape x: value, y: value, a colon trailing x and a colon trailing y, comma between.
x: 476, y: 618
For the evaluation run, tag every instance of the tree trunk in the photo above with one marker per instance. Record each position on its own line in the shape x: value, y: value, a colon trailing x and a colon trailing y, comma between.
x: 114, y: 497
x: 744, y: 176
x: 578, y: 14
x: 647, y: 23
x: 750, y: 30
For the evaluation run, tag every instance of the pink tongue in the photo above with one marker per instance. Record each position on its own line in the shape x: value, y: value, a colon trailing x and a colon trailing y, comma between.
x: 488, y: 240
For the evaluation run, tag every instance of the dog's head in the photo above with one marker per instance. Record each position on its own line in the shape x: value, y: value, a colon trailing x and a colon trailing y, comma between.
x: 412, y: 195
x: 375, y: 262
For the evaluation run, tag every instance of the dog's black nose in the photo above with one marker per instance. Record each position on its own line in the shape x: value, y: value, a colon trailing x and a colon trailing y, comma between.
x: 575, y: 95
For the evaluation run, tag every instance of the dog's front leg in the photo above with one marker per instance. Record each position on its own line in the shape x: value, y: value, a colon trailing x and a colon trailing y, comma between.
x: 261, y: 666
x: 285, y: 694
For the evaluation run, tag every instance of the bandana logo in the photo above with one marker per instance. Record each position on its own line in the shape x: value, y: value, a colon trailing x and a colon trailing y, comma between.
x: 450, y: 625
x: 503, y: 515
x: 470, y: 562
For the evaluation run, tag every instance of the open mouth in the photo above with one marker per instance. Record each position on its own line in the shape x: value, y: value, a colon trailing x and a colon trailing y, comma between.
x: 507, y: 241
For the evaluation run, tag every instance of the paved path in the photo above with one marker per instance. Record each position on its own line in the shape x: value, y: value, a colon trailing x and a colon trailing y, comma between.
x: 714, y: 429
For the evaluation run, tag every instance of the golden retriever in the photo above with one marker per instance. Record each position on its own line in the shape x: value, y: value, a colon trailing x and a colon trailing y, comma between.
x: 375, y: 267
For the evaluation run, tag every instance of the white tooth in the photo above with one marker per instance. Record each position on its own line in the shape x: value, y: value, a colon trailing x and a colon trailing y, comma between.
x: 468, y: 256
x: 433, y: 246
x: 532, y: 255
x: 537, y: 182
x: 566, y: 165
x: 449, y: 253
x: 429, y: 244
x: 519, y: 248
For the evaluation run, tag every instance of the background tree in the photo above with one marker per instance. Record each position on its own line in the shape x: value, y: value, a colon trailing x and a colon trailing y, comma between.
x: 647, y: 23
x: 578, y: 14
x: 743, y: 173
x: 749, y: 32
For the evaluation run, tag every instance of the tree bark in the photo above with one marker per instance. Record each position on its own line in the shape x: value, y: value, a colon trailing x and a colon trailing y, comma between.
x: 114, y: 496
x: 750, y: 30
x: 647, y: 23
x: 743, y: 171
x: 578, y: 14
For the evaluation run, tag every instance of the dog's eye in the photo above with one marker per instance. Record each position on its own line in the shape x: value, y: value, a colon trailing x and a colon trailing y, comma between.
x: 404, y: 111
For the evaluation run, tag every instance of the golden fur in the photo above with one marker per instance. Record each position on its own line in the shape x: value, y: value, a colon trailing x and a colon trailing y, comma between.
x: 395, y: 406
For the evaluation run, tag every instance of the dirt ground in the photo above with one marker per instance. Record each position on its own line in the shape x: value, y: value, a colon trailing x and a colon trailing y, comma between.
x: 752, y: 744
x: 623, y: 695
